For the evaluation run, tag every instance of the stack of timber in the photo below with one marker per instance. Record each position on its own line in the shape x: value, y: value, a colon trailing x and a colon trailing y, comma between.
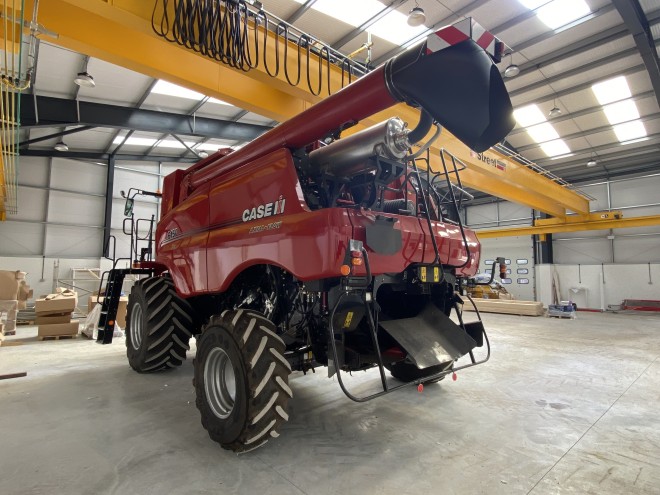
x: 509, y: 307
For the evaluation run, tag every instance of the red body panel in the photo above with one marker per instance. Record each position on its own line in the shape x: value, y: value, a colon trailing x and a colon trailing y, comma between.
x: 181, y: 238
x: 210, y: 238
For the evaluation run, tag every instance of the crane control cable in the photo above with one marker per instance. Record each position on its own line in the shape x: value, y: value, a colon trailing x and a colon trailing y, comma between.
x: 238, y: 34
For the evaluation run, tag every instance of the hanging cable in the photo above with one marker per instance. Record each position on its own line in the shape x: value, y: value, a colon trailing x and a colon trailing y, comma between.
x: 237, y: 34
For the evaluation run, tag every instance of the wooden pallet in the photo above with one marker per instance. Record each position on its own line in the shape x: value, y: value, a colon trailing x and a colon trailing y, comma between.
x: 511, y: 307
x: 57, y: 337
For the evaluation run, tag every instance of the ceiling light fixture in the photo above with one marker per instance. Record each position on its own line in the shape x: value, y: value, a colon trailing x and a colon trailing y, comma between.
x: 202, y: 154
x: 84, y: 79
x: 61, y: 146
x: 512, y: 70
x: 592, y: 161
x: 416, y: 16
x: 555, y: 111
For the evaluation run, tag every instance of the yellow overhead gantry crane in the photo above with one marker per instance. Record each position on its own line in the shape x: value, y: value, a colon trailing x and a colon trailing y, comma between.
x: 120, y: 32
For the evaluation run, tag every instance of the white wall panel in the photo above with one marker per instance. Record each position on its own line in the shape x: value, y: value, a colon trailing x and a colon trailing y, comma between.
x: 515, y: 212
x: 482, y: 214
x: 599, y: 193
x: 79, y: 242
x: 31, y: 204
x: 33, y: 171
x: 78, y: 176
x: 642, y: 249
x: 76, y: 209
x: 635, y: 192
x: 597, y: 250
x: 125, y: 179
x: 598, y: 286
x: 20, y: 239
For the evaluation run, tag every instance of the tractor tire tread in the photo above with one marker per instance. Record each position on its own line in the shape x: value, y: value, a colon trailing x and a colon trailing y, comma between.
x: 165, y: 339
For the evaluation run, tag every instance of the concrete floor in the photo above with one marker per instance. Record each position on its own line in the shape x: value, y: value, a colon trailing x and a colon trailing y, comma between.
x: 563, y: 406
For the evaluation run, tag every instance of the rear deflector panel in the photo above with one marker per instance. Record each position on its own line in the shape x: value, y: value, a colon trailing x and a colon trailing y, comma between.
x: 430, y: 338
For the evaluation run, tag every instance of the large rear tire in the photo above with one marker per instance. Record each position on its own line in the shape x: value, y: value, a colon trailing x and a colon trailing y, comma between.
x: 241, y: 380
x: 159, y: 325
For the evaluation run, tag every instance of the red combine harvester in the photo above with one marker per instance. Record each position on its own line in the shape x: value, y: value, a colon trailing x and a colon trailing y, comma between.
x: 306, y: 248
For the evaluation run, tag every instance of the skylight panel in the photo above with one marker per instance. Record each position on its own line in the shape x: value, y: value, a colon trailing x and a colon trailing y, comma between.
x: 542, y: 132
x: 134, y: 141
x: 529, y: 115
x: 630, y: 130
x: 169, y: 89
x: 561, y: 12
x: 219, y: 102
x: 534, y: 4
x: 557, y: 13
x: 394, y: 28
x: 621, y: 111
x: 172, y: 143
x: 353, y: 12
x: 611, y: 90
x: 555, y: 148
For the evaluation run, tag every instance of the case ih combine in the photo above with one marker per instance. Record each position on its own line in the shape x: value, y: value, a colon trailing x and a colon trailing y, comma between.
x: 308, y: 248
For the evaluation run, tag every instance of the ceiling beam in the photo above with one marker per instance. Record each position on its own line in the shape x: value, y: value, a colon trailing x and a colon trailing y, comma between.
x: 579, y: 87
x: 104, y: 157
x: 366, y: 24
x: 572, y: 224
x: 56, y: 112
x: 597, y: 40
x: 460, y: 13
x: 638, y: 25
x: 300, y: 11
x: 547, y: 81
x: 581, y: 113
x: 617, y: 155
x: 54, y: 135
x: 596, y: 149
x: 554, y: 32
x: 137, y: 104
x: 589, y: 132
x: 120, y: 33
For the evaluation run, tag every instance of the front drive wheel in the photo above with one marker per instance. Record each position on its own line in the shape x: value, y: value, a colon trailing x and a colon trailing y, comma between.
x: 159, y: 325
x: 241, y: 380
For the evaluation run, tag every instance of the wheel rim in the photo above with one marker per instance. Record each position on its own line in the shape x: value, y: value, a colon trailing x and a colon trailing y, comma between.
x: 136, y: 326
x: 220, y: 383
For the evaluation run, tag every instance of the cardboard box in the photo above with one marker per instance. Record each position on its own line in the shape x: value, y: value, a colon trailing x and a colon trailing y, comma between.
x: 59, y: 329
x: 52, y: 319
x: 63, y: 302
x: 10, y: 281
x: 121, y: 310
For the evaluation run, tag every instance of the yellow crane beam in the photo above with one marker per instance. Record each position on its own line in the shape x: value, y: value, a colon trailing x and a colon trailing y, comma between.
x: 120, y: 32
x: 574, y: 223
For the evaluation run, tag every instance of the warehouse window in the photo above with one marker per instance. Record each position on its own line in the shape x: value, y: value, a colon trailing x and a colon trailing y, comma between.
x: 522, y: 261
x: 522, y: 271
x: 523, y: 281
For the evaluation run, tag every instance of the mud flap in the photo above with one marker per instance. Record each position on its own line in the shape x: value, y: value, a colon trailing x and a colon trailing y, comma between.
x: 430, y: 338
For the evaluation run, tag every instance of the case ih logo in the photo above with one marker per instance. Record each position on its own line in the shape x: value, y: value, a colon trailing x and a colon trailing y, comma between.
x: 498, y: 164
x: 265, y: 210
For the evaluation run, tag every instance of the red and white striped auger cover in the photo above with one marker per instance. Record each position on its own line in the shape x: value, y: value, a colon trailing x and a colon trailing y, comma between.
x: 463, y: 30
